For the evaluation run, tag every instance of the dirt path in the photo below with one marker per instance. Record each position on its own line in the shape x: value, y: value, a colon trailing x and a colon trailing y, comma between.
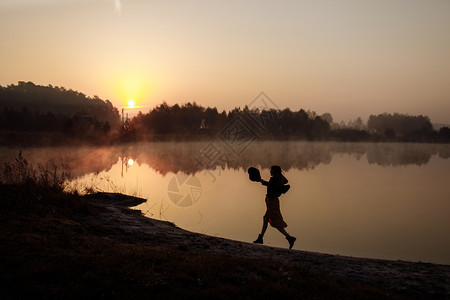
x: 117, y: 221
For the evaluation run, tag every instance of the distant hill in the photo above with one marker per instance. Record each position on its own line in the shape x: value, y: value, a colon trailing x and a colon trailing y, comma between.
x: 26, y: 96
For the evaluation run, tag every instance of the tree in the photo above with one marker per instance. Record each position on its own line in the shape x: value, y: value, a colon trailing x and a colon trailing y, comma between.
x: 409, y: 128
x: 327, y: 117
x: 58, y: 101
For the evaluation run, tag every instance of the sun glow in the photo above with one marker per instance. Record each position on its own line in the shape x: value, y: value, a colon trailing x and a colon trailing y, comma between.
x: 132, y: 89
x: 131, y: 103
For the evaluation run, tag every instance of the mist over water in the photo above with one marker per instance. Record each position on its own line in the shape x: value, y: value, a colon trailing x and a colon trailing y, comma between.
x: 361, y: 199
x: 174, y: 157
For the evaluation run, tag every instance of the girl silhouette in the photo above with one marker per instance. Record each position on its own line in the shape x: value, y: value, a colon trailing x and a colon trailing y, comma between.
x: 275, y: 187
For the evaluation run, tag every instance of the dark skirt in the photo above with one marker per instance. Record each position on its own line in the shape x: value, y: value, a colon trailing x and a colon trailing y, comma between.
x: 273, y: 213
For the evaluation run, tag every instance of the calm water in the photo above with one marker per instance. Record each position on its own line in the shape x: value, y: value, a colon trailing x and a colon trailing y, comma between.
x: 369, y: 200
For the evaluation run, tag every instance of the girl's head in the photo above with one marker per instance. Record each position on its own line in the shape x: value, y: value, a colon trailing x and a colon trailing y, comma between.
x: 275, y: 171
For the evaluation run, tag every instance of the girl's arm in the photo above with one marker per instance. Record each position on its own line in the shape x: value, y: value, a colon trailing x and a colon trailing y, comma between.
x: 263, y: 182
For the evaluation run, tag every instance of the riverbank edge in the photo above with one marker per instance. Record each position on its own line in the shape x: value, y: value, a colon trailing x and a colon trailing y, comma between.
x: 42, y: 231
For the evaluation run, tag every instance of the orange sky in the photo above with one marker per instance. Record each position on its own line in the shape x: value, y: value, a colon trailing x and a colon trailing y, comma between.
x: 350, y: 58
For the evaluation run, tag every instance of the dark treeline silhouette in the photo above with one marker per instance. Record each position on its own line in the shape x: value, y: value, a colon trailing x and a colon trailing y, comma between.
x: 391, y: 128
x: 406, y: 128
x: 27, y: 107
x: 191, y: 119
x: 187, y: 120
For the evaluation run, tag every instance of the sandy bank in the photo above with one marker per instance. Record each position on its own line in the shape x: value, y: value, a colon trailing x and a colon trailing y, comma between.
x: 406, y: 278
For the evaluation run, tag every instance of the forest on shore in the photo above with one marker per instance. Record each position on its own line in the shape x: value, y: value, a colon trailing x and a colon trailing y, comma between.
x: 34, y: 114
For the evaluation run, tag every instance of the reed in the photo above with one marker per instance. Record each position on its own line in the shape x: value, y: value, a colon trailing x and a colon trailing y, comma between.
x: 20, y: 172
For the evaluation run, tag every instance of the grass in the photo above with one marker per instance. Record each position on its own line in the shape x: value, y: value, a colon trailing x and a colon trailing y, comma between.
x: 48, y: 177
x: 21, y: 173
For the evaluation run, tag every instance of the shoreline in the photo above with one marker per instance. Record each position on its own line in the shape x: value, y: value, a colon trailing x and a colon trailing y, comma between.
x: 106, y: 218
x: 414, y: 278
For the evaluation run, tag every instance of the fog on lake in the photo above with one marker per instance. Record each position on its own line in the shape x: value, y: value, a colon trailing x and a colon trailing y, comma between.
x: 360, y: 199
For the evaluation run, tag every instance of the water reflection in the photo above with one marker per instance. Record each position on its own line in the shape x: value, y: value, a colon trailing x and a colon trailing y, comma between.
x: 173, y: 157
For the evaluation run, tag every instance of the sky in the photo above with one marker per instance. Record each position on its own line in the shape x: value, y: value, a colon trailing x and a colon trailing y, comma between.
x: 350, y: 58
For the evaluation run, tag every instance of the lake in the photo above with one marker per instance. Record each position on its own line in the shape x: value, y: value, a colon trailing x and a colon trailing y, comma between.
x: 376, y: 200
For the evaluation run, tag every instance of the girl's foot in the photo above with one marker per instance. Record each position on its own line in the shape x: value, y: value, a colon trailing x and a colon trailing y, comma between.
x: 259, y: 240
x: 291, y: 241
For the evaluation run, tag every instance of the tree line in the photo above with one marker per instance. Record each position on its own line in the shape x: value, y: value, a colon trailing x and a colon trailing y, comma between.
x: 49, y: 102
x: 191, y: 120
x: 27, y: 107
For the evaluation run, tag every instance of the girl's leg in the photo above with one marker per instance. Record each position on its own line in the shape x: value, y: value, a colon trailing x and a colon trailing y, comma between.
x: 259, y: 240
x: 283, y: 231
x: 290, y: 239
x: 264, y: 227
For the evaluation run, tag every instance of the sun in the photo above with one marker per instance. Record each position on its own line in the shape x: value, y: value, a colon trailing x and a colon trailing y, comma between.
x: 131, y: 103
x: 131, y: 89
